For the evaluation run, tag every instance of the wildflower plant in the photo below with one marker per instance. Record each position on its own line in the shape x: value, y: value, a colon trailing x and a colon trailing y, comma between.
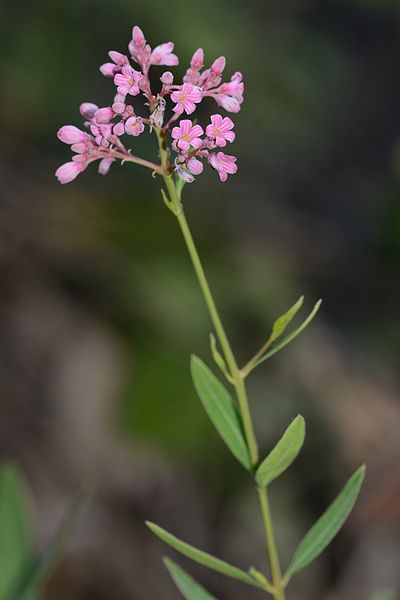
x: 184, y: 147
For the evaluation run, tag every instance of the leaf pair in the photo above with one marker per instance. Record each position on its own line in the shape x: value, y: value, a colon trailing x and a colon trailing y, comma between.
x: 222, y: 411
x: 278, y: 330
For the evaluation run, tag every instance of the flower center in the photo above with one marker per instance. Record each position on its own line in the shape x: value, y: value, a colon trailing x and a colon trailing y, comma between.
x: 131, y: 82
x: 182, y: 98
x: 217, y: 132
x: 186, y: 138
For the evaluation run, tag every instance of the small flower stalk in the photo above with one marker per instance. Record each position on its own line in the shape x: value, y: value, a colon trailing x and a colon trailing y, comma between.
x: 186, y: 144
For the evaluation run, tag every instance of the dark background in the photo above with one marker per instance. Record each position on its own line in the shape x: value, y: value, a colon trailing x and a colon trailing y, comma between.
x: 100, y: 310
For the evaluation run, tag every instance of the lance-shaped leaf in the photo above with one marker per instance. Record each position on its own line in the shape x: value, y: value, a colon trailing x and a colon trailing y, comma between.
x: 16, y: 540
x: 288, y: 338
x: 189, y: 588
x: 327, y: 526
x: 39, y: 570
x: 201, y: 557
x: 283, y: 321
x: 221, y: 410
x: 284, y: 453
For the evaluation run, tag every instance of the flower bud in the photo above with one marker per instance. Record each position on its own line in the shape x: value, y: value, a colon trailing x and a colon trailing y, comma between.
x: 118, y: 58
x: 167, y: 78
x: 104, y: 115
x: 218, y: 65
x: 195, y: 166
x: 138, y: 37
x: 197, y: 61
x: 69, y: 134
x: 104, y: 165
x: 87, y: 109
x: 109, y: 69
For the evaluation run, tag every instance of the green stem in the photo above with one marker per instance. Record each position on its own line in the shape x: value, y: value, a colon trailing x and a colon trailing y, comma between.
x: 275, y: 568
x: 237, y: 376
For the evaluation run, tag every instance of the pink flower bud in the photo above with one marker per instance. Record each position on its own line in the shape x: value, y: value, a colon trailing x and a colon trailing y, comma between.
x: 138, y: 37
x: 71, y: 135
x: 80, y: 148
x: 109, y: 69
x: 119, y: 129
x: 167, y: 78
x: 104, y: 165
x: 69, y: 171
x: 218, y: 65
x: 87, y: 109
x: 118, y: 58
x: 197, y: 61
x: 228, y: 103
x: 195, y: 166
x: 104, y: 115
x: 118, y: 107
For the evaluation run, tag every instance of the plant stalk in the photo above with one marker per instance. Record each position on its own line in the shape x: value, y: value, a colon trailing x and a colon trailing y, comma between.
x: 237, y: 376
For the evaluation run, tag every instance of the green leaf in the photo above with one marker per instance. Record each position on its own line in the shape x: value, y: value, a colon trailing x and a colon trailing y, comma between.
x: 284, y: 453
x: 327, y: 526
x: 289, y: 338
x: 190, y: 589
x: 203, y: 558
x: 16, y: 540
x: 221, y: 410
x: 282, y: 322
x: 37, y: 571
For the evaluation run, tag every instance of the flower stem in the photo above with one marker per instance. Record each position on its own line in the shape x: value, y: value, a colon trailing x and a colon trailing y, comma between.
x: 236, y: 375
x: 275, y: 568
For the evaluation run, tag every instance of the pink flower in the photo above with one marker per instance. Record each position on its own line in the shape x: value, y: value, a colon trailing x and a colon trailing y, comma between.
x: 127, y: 81
x: 186, y: 98
x: 134, y: 126
x: 72, y: 135
x: 224, y: 164
x: 195, y: 166
x: 187, y: 135
x: 69, y: 171
x: 102, y: 134
x: 220, y: 130
x: 235, y: 87
x: 162, y: 55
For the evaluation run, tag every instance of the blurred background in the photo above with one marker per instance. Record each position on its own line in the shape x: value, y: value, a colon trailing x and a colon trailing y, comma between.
x: 100, y: 310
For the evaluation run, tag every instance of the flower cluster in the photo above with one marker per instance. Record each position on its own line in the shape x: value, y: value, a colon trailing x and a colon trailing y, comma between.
x: 100, y: 139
